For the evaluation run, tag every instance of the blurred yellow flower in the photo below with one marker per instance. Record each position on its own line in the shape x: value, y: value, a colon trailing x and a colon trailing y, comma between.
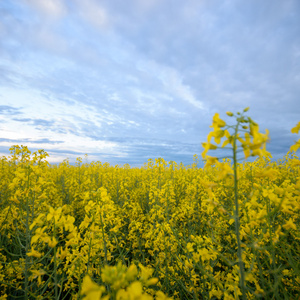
x: 38, y: 274
x: 91, y: 290
x: 34, y: 253
x: 290, y: 225
x: 207, y: 146
x: 296, y: 128
x: 295, y: 147
x: 217, y: 122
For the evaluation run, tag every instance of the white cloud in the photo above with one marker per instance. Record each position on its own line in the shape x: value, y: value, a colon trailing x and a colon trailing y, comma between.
x: 71, y: 144
x: 174, y: 83
x: 171, y: 81
x: 53, y: 121
x: 51, y: 8
x: 41, y: 27
x: 93, y: 12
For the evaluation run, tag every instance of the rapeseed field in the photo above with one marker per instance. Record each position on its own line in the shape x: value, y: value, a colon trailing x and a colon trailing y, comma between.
x: 93, y: 231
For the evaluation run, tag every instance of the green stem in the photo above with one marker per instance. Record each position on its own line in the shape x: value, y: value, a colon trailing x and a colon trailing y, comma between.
x: 27, y: 245
x: 104, y: 240
x: 27, y: 240
x: 236, y: 215
x: 55, y: 266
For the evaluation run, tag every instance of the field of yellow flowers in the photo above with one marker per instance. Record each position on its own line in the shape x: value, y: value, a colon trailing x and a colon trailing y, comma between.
x: 229, y: 230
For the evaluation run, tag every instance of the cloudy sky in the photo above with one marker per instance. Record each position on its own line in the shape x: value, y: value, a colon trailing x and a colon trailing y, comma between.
x: 125, y: 81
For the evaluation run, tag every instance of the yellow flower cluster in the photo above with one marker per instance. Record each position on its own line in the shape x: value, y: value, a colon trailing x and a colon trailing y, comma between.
x: 253, y: 142
x: 162, y: 231
x: 296, y: 146
x: 124, y: 284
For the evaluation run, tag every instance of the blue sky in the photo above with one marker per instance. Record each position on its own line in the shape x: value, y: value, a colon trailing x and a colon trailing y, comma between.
x: 125, y: 81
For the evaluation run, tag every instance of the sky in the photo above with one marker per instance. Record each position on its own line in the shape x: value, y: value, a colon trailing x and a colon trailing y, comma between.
x: 126, y: 81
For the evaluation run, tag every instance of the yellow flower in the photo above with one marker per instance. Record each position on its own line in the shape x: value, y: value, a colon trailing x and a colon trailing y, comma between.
x: 38, y: 274
x: 210, y: 160
x: 215, y: 292
x: 207, y: 146
x: 296, y: 128
x: 37, y: 221
x: 217, y: 122
x: 289, y: 225
x: 295, y: 147
x: 135, y: 289
x: 161, y: 296
x: 133, y: 292
x: 52, y: 242
x: 145, y: 273
x: 122, y: 295
x: 189, y: 247
x: 151, y: 281
x: 267, y: 172
x: 204, y: 254
x: 54, y: 214
x: 69, y: 223
x: 91, y: 290
x: 229, y: 139
x: 217, y: 134
x: 131, y: 272
x: 39, y: 234
x: 61, y: 253
x: 115, y: 275
x: 34, y: 253
x: 225, y: 169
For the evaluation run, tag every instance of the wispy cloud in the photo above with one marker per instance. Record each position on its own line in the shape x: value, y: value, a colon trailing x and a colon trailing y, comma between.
x: 24, y: 141
x: 9, y: 110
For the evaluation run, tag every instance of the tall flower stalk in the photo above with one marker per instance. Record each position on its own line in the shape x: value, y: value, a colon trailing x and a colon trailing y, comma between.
x: 253, y: 143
